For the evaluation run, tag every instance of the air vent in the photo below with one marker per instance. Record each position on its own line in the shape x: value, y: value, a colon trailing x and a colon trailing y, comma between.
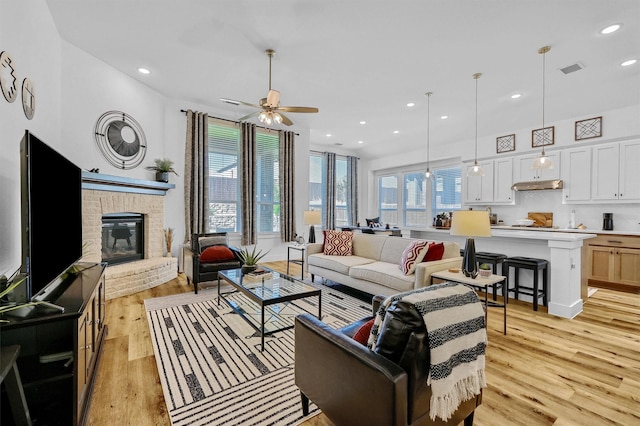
x: 338, y: 144
x: 571, y: 68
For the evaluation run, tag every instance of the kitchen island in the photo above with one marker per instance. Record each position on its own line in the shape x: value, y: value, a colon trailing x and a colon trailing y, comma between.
x: 563, y: 250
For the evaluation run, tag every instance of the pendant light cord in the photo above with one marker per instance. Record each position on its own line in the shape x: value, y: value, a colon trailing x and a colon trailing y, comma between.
x: 476, y: 76
x: 428, y: 124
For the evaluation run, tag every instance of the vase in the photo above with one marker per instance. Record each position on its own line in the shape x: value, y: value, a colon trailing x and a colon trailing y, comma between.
x: 162, y: 177
x: 248, y: 268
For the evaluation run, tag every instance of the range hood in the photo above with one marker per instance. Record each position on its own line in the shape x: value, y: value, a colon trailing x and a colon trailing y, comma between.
x: 537, y: 185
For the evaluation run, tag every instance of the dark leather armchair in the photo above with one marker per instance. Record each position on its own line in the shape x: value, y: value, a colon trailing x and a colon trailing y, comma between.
x: 199, y: 268
x: 352, y: 385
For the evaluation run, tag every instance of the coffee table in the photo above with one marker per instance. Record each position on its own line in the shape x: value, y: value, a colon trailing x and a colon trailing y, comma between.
x: 273, y: 296
x: 493, y: 282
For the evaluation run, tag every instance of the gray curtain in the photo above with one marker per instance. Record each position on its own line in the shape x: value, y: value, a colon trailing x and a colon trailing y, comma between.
x: 352, y: 189
x: 248, y: 170
x: 287, y: 186
x: 196, y: 175
x: 329, y: 212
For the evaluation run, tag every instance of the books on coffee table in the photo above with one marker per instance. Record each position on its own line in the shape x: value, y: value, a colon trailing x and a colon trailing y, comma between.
x: 258, y: 275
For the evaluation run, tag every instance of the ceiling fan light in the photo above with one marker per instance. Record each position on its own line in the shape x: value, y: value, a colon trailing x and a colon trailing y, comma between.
x: 277, y: 118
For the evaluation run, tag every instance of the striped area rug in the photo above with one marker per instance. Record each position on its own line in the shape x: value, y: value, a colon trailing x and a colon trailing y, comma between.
x: 210, y: 364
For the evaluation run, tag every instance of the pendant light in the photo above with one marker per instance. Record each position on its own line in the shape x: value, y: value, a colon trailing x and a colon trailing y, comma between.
x: 476, y: 169
x: 543, y: 162
x: 428, y: 173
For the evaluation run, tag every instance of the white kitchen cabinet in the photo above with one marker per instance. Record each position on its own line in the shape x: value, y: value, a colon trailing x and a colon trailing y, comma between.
x: 576, y: 174
x: 523, y: 172
x: 479, y: 189
x: 616, y: 172
x: 502, y: 181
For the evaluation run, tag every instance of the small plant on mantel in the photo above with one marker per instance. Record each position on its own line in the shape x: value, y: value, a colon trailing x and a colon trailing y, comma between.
x: 162, y: 167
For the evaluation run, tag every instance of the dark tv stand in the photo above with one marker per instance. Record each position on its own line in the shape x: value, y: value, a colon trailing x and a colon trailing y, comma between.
x: 60, y: 351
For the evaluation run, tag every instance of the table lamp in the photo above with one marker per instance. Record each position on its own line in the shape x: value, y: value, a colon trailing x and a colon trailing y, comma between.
x: 470, y: 223
x: 312, y: 217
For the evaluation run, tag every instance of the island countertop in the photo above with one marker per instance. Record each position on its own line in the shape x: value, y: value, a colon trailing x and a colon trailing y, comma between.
x: 533, y: 234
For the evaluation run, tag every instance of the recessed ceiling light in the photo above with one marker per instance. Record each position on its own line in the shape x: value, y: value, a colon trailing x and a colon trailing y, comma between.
x: 396, y: 131
x: 610, y: 29
x: 328, y: 135
x: 444, y: 117
x: 629, y: 62
x: 144, y: 71
x: 410, y: 104
x: 516, y: 95
x: 360, y: 142
x: 363, y: 122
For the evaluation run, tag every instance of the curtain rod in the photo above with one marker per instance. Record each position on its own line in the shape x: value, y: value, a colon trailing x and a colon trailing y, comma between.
x: 233, y: 121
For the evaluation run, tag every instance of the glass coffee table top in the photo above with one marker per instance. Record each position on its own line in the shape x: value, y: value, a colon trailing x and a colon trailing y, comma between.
x: 267, y: 302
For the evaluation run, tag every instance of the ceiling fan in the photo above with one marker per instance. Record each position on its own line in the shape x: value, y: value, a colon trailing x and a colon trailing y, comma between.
x: 270, y: 111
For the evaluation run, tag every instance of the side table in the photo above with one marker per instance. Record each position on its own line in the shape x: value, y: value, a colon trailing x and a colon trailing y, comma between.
x: 493, y: 282
x: 301, y: 248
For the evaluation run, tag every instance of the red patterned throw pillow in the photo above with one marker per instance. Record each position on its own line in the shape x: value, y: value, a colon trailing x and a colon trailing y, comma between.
x: 413, y: 254
x: 216, y: 254
x: 362, y: 335
x: 338, y: 243
x: 435, y: 252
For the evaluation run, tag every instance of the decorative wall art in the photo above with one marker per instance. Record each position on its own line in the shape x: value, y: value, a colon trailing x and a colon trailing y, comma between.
x: 8, y: 79
x: 28, y: 98
x: 506, y: 143
x: 120, y: 139
x: 543, y: 137
x: 588, y: 129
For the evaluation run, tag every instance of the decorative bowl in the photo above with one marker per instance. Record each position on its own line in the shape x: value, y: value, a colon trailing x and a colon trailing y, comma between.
x: 525, y: 222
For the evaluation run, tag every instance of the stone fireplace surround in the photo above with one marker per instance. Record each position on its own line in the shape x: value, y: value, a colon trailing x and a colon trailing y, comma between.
x: 104, y: 194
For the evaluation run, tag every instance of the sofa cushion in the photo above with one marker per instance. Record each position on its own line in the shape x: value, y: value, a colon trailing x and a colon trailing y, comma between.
x: 338, y: 243
x: 340, y: 264
x: 383, y: 273
x: 362, y: 335
x: 435, y: 252
x: 393, y: 249
x: 369, y: 246
x: 216, y: 254
x: 413, y: 254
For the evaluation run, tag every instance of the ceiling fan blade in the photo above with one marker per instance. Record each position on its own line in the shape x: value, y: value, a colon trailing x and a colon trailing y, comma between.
x: 234, y: 102
x: 297, y: 109
x: 253, y: 114
x: 285, y: 119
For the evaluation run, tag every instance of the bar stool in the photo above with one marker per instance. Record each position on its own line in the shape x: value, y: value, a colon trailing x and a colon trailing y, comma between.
x: 493, y: 259
x: 535, y: 265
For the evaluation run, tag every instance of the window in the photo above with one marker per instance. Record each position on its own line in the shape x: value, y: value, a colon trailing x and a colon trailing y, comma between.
x: 342, y: 216
x: 388, y: 199
x: 316, y: 185
x: 446, y: 194
x: 315, y: 181
x: 415, y: 199
x: 225, y: 187
x: 267, y: 181
x: 407, y: 205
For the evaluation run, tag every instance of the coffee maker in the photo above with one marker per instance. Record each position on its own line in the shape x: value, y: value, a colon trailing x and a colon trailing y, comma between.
x: 607, y: 221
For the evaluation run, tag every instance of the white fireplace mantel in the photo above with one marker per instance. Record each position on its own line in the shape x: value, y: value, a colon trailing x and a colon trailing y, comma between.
x: 101, y: 182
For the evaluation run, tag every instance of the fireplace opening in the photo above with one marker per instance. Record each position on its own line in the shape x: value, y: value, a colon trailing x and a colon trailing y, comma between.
x: 122, y: 237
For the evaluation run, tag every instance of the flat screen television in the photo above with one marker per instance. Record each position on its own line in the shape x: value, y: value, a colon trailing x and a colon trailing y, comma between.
x: 51, y: 208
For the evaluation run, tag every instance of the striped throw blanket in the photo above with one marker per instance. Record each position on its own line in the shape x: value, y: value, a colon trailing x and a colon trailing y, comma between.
x: 455, y: 321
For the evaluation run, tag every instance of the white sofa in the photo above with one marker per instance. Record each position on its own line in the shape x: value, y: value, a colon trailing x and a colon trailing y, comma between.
x: 373, y: 266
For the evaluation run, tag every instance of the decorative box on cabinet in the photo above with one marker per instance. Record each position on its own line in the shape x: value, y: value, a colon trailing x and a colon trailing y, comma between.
x: 613, y: 261
x: 60, y: 350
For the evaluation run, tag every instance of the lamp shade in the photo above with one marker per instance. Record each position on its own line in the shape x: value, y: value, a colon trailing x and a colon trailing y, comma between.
x: 312, y: 217
x: 471, y: 223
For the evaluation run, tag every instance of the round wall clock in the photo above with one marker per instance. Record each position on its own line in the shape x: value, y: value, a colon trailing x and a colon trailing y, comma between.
x: 120, y: 139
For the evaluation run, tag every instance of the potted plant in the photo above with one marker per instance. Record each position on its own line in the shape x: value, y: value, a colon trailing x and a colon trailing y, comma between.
x: 485, y: 270
x: 162, y: 167
x: 250, y: 258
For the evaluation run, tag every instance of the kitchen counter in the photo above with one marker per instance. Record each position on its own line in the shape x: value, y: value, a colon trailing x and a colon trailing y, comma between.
x: 570, y: 230
x: 562, y: 248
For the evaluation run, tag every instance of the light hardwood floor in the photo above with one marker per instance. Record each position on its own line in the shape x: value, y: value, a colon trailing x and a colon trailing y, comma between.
x: 545, y: 371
